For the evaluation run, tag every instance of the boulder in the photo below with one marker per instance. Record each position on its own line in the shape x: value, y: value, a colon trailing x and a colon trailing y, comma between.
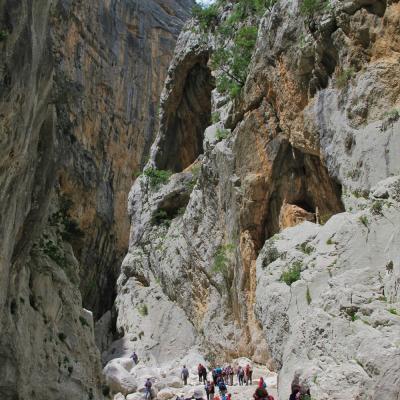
x: 118, y: 379
x: 165, y: 394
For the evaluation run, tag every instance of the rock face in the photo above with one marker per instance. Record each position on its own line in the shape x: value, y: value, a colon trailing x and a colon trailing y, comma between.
x: 337, y: 325
x: 313, y: 130
x: 79, y: 88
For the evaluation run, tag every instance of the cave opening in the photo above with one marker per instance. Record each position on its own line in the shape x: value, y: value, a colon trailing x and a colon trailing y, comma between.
x: 186, y: 116
x: 301, y: 189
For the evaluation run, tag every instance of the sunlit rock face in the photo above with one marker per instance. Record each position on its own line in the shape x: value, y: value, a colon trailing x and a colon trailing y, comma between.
x: 280, y: 184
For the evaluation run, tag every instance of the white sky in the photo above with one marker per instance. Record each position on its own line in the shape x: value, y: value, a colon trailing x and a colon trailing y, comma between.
x: 205, y: 1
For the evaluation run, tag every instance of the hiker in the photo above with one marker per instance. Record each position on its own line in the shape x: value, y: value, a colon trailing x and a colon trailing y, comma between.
x: 185, y: 375
x: 229, y: 397
x: 210, y: 390
x: 261, y: 383
x: 204, y: 374
x: 135, y: 358
x: 222, y: 387
x: 262, y: 394
x: 295, y: 392
x: 200, y: 372
x: 248, y: 375
x: 214, y: 376
x: 147, y: 389
x: 230, y: 375
x: 240, y: 376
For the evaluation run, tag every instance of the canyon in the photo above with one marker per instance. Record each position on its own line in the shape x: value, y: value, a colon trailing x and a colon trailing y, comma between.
x: 198, y: 224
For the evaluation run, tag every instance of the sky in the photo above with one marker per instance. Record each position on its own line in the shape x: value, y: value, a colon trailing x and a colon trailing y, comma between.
x: 205, y: 1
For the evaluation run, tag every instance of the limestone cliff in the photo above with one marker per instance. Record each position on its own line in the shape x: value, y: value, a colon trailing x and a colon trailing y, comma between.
x: 79, y: 89
x: 313, y: 130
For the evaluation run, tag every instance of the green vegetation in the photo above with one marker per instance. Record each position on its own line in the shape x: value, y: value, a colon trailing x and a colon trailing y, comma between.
x: 364, y: 220
x: 271, y: 254
x: 330, y: 241
x: 221, y: 134
x: 377, y: 207
x: 143, y: 311
x: 54, y: 251
x: 293, y: 273
x: 361, y: 193
x: 323, y: 218
x: 161, y: 217
x: 311, y: 7
x: 221, y: 259
x: 157, y: 177
x: 393, y: 311
x: 66, y: 226
x: 83, y: 321
x: 3, y: 35
x: 206, y: 16
x: 308, y: 296
x: 344, y: 76
x: 393, y: 115
x: 215, y: 117
x: 352, y: 314
x: 141, y: 334
x: 306, y: 248
x: 235, y: 41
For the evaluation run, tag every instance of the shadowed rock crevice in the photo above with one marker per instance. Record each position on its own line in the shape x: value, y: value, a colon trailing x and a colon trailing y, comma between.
x: 187, y: 115
x: 301, y: 187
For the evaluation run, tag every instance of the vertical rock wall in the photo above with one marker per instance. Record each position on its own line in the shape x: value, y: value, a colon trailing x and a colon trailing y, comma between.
x: 79, y: 88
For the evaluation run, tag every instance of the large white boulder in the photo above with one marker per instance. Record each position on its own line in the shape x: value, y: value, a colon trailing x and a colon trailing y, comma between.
x: 119, y: 379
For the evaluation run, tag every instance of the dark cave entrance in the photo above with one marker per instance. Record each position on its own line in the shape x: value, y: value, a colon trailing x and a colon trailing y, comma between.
x: 187, y: 115
x: 301, y: 188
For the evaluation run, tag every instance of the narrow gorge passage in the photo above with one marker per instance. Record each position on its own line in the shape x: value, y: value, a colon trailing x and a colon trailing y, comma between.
x: 199, y: 183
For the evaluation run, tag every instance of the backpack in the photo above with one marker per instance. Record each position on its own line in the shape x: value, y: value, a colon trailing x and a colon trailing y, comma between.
x: 222, y: 386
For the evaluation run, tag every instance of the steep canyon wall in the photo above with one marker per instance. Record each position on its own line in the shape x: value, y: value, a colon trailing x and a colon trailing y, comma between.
x: 79, y: 90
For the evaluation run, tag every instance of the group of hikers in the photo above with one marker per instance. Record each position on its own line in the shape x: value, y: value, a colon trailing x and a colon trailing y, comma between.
x: 222, y: 377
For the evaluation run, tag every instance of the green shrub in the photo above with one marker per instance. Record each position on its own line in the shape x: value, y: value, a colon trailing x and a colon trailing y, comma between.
x: 364, y: 220
x: 54, y: 251
x: 311, y: 7
x: 234, y: 40
x: 83, y: 321
x: 3, y: 35
x: 157, y: 177
x: 308, y: 296
x: 344, y: 77
x: 221, y: 134
x: 292, y: 274
x: 215, y: 117
x: 221, y: 259
x: 393, y: 311
x: 206, y: 16
x: 271, y: 254
x: 330, y: 241
x: 377, y: 207
x: 390, y: 118
x: 160, y: 217
x: 143, y: 311
x: 306, y: 248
